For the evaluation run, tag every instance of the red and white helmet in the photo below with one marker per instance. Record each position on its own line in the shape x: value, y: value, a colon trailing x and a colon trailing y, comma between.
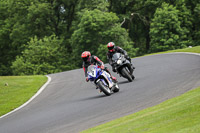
x: 85, y: 55
x: 111, y: 46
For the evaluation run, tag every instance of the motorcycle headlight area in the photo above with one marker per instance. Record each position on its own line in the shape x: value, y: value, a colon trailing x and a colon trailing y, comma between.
x: 119, y: 62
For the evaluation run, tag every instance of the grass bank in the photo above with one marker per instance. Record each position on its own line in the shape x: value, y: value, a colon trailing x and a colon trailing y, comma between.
x: 192, y: 50
x: 16, y: 90
x: 177, y: 115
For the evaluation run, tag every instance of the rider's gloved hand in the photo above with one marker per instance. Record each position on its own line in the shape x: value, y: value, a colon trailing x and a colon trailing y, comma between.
x: 87, y: 79
x: 102, y: 66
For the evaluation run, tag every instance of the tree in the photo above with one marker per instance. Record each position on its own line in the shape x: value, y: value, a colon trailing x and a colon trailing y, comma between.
x: 12, y: 32
x: 185, y: 17
x: 197, y: 22
x: 97, y: 28
x: 22, y: 20
x: 93, y: 4
x: 166, y: 32
x: 42, y: 56
x: 39, y: 19
x: 136, y: 16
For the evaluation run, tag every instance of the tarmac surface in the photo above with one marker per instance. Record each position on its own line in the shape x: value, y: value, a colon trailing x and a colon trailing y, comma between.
x: 69, y: 104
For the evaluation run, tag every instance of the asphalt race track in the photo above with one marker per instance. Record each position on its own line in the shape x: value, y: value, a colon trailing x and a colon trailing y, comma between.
x: 69, y: 104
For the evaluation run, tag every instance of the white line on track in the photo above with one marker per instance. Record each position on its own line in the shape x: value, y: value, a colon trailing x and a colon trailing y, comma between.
x: 26, y: 103
x: 188, y: 53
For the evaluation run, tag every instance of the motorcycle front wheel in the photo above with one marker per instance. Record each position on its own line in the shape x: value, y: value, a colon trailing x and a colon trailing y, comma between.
x: 104, y: 88
x: 126, y: 74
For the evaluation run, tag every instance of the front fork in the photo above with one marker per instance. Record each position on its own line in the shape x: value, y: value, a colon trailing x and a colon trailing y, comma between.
x: 130, y: 68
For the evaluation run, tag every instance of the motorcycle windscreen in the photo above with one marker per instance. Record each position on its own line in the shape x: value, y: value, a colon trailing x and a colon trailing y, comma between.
x: 116, y: 56
x: 93, y: 72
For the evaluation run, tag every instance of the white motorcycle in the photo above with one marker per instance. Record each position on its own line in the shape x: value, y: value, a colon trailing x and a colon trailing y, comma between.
x: 102, y: 80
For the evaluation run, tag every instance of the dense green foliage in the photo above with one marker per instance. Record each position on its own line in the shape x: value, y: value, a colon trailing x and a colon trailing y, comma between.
x: 41, y: 37
x: 98, y: 28
x: 166, y: 31
x: 42, y: 56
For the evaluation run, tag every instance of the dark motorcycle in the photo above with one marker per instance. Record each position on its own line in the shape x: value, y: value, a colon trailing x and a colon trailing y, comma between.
x: 123, y: 66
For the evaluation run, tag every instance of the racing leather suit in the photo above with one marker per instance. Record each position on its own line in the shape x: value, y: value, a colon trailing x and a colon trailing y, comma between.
x: 92, y: 60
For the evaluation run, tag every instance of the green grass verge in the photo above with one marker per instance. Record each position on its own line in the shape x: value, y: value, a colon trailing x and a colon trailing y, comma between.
x: 192, y: 50
x: 16, y: 90
x: 177, y: 115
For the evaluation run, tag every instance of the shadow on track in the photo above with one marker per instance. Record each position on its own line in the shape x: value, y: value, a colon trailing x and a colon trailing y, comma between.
x: 96, y: 97
x: 91, y: 98
x: 123, y: 82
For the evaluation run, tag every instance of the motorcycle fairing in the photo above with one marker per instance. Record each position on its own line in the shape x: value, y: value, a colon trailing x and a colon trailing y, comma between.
x: 94, y: 73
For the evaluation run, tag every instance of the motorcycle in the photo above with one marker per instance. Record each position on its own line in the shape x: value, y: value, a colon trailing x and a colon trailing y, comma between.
x: 123, y: 66
x: 102, y: 80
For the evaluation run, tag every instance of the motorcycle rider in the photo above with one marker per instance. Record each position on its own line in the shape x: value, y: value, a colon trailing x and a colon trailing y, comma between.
x: 89, y: 59
x: 112, y: 49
